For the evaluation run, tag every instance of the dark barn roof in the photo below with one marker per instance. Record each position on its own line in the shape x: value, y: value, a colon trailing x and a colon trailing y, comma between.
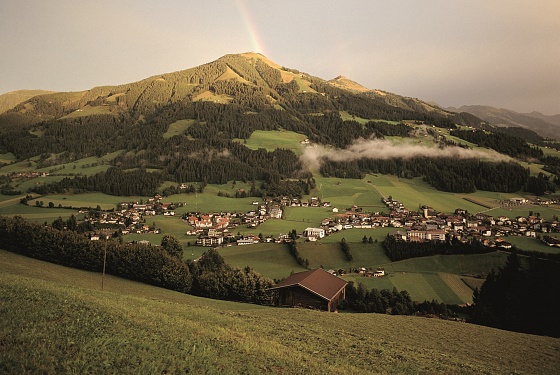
x: 318, y: 282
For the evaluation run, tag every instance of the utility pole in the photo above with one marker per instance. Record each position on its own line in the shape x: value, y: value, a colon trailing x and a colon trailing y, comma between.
x: 104, y: 262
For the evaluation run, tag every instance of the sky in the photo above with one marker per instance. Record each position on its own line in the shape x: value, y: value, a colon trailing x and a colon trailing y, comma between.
x: 502, y: 53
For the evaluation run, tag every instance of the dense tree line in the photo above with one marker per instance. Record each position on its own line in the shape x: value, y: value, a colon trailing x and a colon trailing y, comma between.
x: 520, y: 297
x: 161, y: 265
x: 398, y: 249
x: 526, y: 134
x: 370, y: 107
x: 552, y: 165
x: 540, y: 184
x: 292, y: 247
x: 214, y: 278
x: 360, y: 299
x: 148, y: 264
x: 382, y: 128
x: 114, y: 181
x: 346, y: 250
x: 446, y: 174
x: 504, y: 143
x: 81, y: 137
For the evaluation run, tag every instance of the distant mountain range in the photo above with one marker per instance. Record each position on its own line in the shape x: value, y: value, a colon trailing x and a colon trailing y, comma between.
x: 546, y: 126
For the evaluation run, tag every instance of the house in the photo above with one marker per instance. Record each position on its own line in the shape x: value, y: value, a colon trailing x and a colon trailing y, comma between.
x: 318, y: 233
x: 276, y: 212
x: 313, y: 289
x: 248, y: 240
x: 210, y: 241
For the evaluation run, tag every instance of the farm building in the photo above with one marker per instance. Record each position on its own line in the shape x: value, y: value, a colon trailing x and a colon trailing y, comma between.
x: 314, y: 289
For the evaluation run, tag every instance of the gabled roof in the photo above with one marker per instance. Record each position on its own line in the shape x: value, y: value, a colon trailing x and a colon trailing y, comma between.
x: 318, y: 282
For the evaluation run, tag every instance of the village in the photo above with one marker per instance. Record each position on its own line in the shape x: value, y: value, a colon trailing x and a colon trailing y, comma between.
x: 426, y: 224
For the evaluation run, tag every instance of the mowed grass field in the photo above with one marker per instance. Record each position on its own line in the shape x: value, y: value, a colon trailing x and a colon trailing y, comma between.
x: 271, y: 140
x: 58, y: 320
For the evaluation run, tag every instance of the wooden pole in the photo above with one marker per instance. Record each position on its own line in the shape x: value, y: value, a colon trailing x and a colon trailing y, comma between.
x: 104, y: 262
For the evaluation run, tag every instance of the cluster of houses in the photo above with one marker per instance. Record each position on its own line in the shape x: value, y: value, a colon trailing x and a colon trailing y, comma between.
x: 130, y: 217
x: 213, y: 229
x: 422, y: 225
x: 429, y: 225
x: 14, y: 175
x: 426, y: 224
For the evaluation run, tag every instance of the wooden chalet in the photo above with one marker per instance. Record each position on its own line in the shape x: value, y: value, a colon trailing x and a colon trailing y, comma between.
x: 314, y: 289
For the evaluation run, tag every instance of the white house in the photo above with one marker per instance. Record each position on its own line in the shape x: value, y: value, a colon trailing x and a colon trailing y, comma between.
x: 314, y: 232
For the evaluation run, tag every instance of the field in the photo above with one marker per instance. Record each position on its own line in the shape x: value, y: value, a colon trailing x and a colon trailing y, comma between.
x: 435, y: 277
x: 89, y: 111
x: 7, y: 158
x: 38, y: 214
x: 131, y: 328
x: 177, y: 128
x: 530, y: 244
x: 87, y: 166
x: 271, y: 260
x: 271, y: 140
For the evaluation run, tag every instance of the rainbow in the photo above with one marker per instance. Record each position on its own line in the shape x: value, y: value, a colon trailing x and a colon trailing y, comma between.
x: 250, y: 26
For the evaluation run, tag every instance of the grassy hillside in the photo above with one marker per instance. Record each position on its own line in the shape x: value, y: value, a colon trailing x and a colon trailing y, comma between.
x: 11, y: 99
x: 58, y: 320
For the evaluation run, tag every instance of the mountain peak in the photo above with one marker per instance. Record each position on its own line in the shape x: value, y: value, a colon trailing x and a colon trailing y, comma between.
x: 347, y: 84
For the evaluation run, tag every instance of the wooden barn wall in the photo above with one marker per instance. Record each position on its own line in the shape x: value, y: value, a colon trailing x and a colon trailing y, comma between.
x: 296, y: 296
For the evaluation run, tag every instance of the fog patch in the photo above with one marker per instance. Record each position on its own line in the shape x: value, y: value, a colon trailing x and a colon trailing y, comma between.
x: 382, y: 149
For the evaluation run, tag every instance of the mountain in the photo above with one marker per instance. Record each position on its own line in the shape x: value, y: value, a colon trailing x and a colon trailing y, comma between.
x: 11, y: 99
x: 223, y: 81
x: 555, y: 119
x: 546, y: 126
x: 347, y: 84
x: 187, y: 126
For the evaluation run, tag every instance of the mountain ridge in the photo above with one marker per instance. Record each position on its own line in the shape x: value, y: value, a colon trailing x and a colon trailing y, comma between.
x: 534, y: 121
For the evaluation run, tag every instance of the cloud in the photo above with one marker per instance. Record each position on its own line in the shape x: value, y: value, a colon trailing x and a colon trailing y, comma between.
x: 383, y: 149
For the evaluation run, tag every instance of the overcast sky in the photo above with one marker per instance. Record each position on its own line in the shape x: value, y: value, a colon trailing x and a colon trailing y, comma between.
x: 503, y: 53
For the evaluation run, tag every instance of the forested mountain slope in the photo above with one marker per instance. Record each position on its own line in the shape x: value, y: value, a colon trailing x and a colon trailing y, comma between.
x: 222, y: 102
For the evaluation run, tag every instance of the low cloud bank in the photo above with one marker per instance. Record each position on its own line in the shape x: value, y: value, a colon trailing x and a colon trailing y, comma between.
x: 383, y: 149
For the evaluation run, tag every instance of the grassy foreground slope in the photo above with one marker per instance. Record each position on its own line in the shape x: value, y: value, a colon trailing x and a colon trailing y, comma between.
x: 58, y: 320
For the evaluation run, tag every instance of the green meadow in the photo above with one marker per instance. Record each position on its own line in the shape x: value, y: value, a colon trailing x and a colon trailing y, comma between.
x: 20, y: 166
x: 436, y: 277
x: 271, y: 140
x: 7, y: 158
x: 89, y: 111
x: 530, y: 244
x: 270, y: 260
x: 58, y: 320
x: 177, y: 128
x: 38, y: 214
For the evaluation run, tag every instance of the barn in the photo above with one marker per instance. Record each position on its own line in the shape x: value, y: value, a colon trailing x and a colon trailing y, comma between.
x: 313, y: 289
